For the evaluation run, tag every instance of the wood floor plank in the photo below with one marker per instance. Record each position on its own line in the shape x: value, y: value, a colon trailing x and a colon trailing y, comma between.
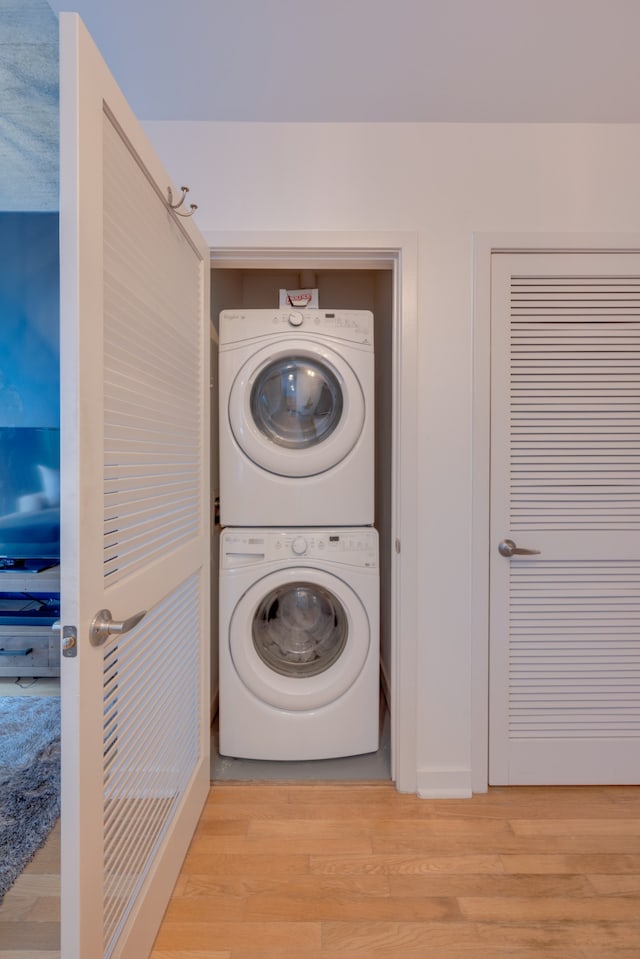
x: 307, y: 886
x: 297, y: 794
x: 285, y: 904
x: 28, y: 953
x: 547, y: 909
x: 183, y: 954
x: 611, y: 885
x: 496, y: 886
x: 405, y: 864
x: 356, y: 812
x: 245, y: 864
x: 292, y: 828
x: 294, y: 845
x: 23, y: 936
x: 364, y: 937
x: 45, y: 909
x: 612, y: 952
x: 434, y: 828
x: 433, y: 952
x: 259, y: 937
x: 509, y: 844
x: 539, y: 863
x: 35, y: 884
x: 575, y: 827
x: 222, y: 827
x: 215, y: 908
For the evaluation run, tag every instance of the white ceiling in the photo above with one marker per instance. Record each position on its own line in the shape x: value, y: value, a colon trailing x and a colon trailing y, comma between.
x: 372, y: 60
x: 482, y: 61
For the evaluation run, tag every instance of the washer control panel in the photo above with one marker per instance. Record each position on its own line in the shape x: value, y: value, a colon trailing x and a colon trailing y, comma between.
x: 247, y: 547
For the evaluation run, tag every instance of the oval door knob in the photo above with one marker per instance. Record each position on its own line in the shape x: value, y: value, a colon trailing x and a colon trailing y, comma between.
x: 508, y: 548
x: 103, y: 626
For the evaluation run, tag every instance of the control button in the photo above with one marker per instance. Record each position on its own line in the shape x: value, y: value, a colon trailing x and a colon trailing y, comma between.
x: 299, y: 545
x: 295, y: 319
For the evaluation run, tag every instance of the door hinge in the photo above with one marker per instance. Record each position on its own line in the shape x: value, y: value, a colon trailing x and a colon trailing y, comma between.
x: 397, y: 546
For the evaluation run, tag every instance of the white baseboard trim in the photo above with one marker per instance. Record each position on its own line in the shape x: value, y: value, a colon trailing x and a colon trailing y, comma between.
x: 444, y: 783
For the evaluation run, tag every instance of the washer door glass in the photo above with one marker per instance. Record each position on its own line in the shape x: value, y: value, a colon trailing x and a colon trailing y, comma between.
x: 296, y: 402
x: 300, y: 630
x: 299, y: 638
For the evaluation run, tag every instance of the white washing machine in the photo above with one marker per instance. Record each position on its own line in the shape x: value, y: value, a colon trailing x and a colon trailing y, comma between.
x: 296, y: 417
x: 299, y: 643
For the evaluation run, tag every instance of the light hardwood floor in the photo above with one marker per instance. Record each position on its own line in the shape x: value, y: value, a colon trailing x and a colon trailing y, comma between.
x: 344, y: 871
x: 30, y: 910
x: 322, y: 871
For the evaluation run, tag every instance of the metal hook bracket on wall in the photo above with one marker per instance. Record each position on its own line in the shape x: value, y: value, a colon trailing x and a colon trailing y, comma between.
x: 176, y: 206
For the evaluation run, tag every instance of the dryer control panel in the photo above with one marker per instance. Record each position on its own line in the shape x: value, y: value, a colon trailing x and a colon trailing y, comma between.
x: 240, y: 326
x: 247, y: 547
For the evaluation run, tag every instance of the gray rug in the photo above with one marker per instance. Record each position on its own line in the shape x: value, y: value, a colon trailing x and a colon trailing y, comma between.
x: 29, y: 779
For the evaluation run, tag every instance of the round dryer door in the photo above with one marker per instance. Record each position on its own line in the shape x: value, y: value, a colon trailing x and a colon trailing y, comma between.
x: 299, y: 638
x: 297, y: 410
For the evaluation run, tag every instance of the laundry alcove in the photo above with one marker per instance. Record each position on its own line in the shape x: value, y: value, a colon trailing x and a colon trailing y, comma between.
x: 252, y: 279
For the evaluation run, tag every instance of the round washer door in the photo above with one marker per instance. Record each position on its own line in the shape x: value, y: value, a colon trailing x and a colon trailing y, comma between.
x: 297, y: 409
x: 299, y: 638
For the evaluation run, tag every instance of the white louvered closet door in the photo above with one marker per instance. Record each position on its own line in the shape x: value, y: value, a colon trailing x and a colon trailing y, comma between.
x: 135, y: 530
x: 565, y: 480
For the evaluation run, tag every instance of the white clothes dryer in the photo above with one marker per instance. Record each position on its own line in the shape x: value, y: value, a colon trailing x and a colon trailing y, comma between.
x: 296, y: 417
x: 299, y: 643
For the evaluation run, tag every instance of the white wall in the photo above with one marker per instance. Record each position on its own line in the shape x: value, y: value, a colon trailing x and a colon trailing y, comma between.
x: 445, y: 182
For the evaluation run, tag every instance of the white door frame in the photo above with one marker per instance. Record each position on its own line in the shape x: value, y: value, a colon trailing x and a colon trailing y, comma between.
x: 398, y: 251
x: 485, y: 244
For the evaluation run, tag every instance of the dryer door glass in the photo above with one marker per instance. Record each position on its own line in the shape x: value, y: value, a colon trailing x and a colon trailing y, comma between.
x: 300, y: 630
x: 296, y: 402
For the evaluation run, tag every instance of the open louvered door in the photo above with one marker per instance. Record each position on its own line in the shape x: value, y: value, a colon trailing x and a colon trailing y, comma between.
x: 135, y: 453
x: 565, y: 480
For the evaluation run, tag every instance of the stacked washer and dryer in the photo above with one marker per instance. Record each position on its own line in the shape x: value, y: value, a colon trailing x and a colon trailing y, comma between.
x: 299, y: 569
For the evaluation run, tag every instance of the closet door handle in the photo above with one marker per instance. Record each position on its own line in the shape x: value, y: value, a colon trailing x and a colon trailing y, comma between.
x: 103, y: 626
x: 508, y: 548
